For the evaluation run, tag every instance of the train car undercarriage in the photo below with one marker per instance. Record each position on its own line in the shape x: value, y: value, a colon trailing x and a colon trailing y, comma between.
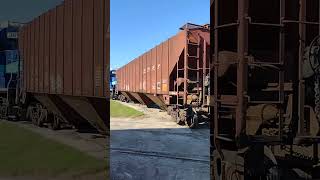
x: 265, y: 90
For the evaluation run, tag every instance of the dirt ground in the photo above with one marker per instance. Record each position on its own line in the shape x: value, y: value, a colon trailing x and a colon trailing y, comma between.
x: 93, y: 144
x: 153, y: 146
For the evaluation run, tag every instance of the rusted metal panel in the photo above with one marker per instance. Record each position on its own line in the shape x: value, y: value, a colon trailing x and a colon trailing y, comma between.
x: 106, y: 46
x: 137, y: 75
x: 127, y: 78
x: 41, y: 52
x: 130, y: 69
x: 23, y: 40
x: 144, y: 73
x: 67, y: 50
x: 31, y: 57
x: 98, y: 42
x: 22, y: 48
x: 140, y: 74
x: 165, y: 68
x: 120, y: 79
x: 53, y: 50
x: 60, y: 50
x: 132, y: 76
x: 145, y: 64
x: 88, y: 48
x: 158, y: 68
x: 134, y: 70
x: 46, y: 64
x: 27, y: 53
x: 34, y: 80
x: 131, y: 83
x: 124, y: 79
x: 68, y: 68
x: 77, y: 47
x: 131, y: 66
x: 153, y: 71
x: 176, y: 46
x: 148, y: 65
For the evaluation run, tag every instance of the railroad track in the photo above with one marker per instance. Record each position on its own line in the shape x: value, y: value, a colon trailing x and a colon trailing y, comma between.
x: 200, y: 159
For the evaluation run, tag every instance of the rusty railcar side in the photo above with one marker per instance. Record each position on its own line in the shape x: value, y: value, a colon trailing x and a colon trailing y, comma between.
x: 68, y: 51
x: 66, y: 60
x: 77, y: 59
x: 60, y: 49
x: 169, y: 73
x: 84, y: 33
x: 53, y: 51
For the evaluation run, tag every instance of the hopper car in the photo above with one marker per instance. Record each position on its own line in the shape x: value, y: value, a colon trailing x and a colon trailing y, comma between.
x: 265, y: 89
x: 64, y: 68
x: 173, y: 76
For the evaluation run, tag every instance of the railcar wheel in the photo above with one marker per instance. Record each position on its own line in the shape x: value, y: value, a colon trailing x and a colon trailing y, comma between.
x: 4, y: 111
x: 34, y: 114
x: 217, y: 168
x: 38, y: 114
x: 180, y: 118
x: 169, y: 110
x: 232, y: 173
x: 193, y: 121
x: 56, y: 123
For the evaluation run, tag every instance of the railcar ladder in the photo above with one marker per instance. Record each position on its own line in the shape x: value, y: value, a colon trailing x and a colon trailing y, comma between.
x: 187, y: 70
x: 224, y: 105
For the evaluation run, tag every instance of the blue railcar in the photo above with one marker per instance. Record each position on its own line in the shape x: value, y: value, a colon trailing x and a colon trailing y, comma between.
x: 113, y: 83
x: 113, y: 79
x: 9, y: 38
x: 9, y: 61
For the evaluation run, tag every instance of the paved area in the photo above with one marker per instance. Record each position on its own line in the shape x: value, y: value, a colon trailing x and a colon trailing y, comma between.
x: 155, y: 147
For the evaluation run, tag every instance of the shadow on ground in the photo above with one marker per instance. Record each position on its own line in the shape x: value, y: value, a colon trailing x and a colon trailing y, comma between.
x: 160, y: 154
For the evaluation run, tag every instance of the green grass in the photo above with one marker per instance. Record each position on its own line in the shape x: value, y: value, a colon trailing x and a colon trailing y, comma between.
x: 25, y: 153
x: 119, y: 110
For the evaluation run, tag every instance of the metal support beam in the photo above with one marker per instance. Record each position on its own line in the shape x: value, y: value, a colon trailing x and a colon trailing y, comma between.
x: 301, y: 85
x: 242, y: 71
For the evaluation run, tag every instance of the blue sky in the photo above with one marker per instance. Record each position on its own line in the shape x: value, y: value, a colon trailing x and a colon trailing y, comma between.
x: 24, y: 10
x: 139, y: 25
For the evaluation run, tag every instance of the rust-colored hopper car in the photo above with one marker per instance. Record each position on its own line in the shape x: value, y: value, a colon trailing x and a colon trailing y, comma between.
x: 174, y: 76
x: 65, y: 66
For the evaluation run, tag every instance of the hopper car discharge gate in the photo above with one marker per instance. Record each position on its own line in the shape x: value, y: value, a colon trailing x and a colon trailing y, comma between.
x: 185, y: 92
x: 265, y: 81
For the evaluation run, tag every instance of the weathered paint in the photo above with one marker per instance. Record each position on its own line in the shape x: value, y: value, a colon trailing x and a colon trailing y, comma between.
x: 154, y: 68
x: 66, y: 50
